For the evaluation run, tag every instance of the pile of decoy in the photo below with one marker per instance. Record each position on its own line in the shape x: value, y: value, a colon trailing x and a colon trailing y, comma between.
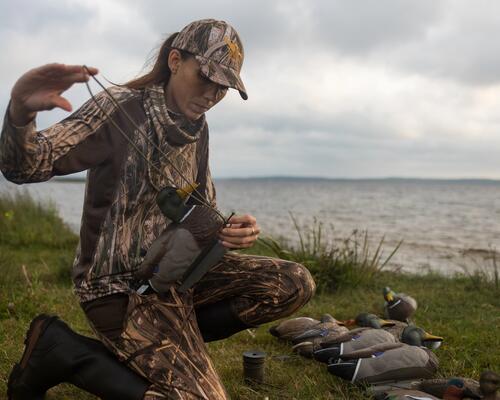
x: 392, y: 355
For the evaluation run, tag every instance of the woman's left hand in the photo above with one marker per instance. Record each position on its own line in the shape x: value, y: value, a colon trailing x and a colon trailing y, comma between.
x: 240, y: 233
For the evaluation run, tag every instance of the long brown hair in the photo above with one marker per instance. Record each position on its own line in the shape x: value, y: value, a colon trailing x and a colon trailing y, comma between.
x: 160, y: 73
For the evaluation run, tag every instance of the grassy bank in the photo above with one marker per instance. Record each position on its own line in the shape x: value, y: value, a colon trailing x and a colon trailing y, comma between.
x: 36, y: 252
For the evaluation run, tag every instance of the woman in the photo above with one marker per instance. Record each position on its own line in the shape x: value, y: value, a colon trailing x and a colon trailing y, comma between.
x: 134, y: 141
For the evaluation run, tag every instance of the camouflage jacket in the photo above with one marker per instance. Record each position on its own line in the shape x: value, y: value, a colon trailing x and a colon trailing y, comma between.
x: 120, y: 217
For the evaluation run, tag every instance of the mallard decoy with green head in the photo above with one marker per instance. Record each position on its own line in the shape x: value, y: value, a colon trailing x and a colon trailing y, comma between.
x: 403, y: 332
x: 386, y: 362
x: 452, y: 389
x: 193, y: 229
x: 457, y: 390
x: 398, y: 306
x: 332, y: 349
x: 290, y: 328
x: 368, y: 320
x: 363, y: 339
x: 461, y: 386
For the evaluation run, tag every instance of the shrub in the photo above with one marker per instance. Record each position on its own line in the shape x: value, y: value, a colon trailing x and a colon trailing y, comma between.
x: 348, y: 262
x: 25, y: 222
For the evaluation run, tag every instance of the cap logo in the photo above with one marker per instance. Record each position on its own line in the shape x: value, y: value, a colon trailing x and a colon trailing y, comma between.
x: 234, y: 50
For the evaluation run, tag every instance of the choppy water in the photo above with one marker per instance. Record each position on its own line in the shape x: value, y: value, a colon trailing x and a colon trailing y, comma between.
x: 444, y: 224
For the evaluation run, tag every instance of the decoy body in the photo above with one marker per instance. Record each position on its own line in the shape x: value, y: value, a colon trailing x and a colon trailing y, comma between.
x: 386, y: 362
x: 328, y: 329
x: 293, y: 327
x: 404, y: 394
x: 363, y: 339
x: 456, y: 386
x: 406, y: 333
x: 489, y: 384
x: 193, y: 229
x: 398, y: 306
x: 328, y: 344
x: 327, y: 326
x: 449, y: 389
x: 403, y: 332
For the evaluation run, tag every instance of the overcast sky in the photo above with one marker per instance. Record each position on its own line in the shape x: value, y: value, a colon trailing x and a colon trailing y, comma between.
x: 337, y: 88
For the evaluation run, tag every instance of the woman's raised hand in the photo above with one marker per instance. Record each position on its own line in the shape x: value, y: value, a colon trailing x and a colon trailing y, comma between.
x: 40, y: 89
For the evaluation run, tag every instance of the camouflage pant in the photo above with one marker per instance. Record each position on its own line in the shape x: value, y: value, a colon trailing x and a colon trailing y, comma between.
x: 161, y: 339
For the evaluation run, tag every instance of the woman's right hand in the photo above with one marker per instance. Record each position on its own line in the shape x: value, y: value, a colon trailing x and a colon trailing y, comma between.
x: 40, y: 89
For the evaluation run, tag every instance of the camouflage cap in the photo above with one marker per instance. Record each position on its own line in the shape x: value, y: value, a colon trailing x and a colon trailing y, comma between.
x: 218, y: 48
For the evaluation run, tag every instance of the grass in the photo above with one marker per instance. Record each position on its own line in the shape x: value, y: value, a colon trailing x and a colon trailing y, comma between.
x: 465, y: 312
x: 335, y: 264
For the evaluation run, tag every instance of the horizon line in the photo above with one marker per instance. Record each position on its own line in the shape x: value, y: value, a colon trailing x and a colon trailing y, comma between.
x: 292, y: 177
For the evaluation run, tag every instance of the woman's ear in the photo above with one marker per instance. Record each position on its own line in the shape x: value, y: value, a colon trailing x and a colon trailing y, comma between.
x: 174, y: 60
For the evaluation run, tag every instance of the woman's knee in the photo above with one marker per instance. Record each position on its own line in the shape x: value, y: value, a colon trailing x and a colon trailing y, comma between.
x: 305, y: 285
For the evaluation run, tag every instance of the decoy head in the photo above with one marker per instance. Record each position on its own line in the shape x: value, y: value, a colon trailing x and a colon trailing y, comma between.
x: 172, y: 200
x: 415, y: 336
x: 388, y: 294
x: 371, y: 321
x: 456, y: 389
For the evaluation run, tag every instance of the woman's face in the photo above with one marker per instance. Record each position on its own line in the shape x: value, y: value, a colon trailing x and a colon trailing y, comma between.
x: 187, y: 91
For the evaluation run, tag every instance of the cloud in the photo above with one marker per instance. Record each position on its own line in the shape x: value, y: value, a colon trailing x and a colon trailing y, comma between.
x: 337, y: 88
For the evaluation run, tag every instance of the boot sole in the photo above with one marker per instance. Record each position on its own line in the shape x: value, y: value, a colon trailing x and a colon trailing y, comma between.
x: 36, y: 329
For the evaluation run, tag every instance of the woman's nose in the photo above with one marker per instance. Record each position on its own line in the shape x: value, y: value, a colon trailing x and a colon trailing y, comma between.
x: 215, y: 92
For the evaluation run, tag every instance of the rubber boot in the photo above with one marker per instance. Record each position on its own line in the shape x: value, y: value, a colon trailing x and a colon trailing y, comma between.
x: 218, y: 321
x: 54, y: 354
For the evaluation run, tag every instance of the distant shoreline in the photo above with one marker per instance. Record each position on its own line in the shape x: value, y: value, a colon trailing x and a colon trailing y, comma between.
x: 314, y: 178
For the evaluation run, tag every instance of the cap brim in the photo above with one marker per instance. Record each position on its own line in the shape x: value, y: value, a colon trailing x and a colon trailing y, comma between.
x: 222, y: 75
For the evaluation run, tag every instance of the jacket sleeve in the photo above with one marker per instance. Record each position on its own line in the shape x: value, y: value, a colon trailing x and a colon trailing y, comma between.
x: 75, y: 144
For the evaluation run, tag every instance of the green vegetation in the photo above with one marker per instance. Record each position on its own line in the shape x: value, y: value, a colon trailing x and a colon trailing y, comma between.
x: 463, y: 309
x: 334, y: 265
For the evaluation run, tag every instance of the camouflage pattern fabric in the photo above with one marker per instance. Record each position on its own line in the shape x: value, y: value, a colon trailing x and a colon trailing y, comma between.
x: 262, y: 289
x: 162, y: 342
x: 120, y: 217
x: 218, y: 48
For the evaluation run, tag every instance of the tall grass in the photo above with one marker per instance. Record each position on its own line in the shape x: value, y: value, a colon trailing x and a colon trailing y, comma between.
x: 26, y: 222
x: 485, y: 272
x: 335, y: 264
x: 35, y: 244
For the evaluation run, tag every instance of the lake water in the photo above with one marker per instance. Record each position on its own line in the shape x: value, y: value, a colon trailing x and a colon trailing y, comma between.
x: 444, y: 225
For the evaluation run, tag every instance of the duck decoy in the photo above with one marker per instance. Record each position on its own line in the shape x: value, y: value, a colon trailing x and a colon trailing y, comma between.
x: 326, y: 327
x: 456, y: 390
x: 395, y: 362
x: 401, y: 331
x: 438, y: 386
x: 187, y: 248
x: 398, y: 306
x: 363, y: 339
x: 290, y: 328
